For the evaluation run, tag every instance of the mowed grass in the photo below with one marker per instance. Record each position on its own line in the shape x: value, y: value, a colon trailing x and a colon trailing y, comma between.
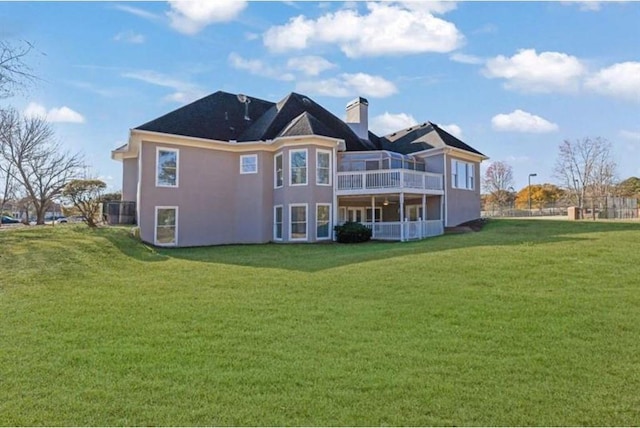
x: 524, y: 323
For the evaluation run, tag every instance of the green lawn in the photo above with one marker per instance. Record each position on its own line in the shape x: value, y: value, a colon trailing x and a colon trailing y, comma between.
x: 524, y: 323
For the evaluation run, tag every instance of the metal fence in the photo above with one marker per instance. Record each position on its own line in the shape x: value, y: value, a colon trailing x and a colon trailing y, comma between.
x: 119, y: 212
x: 606, y: 207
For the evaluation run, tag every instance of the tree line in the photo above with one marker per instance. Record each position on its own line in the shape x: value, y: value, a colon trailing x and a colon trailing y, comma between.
x: 585, y: 173
x: 34, y: 166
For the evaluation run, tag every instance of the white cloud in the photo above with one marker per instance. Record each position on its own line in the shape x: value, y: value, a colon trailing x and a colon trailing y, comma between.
x: 310, y: 65
x: 529, y: 71
x: 591, y: 6
x: 138, y: 12
x: 522, y: 121
x: 184, y: 92
x: 189, y: 17
x: 452, y: 129
x: 620, y: 80
x: 388, y: 122
x: 431, y: 6
x: 630, y: 135
x: 129, y: 37
x: 387, y: 29
x: 349, y: 85
x: 258, y: 68
x: 466, y: 59
x: 57, y: 114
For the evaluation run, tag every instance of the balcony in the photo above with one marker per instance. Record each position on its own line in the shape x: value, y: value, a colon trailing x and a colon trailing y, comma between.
x: 388, y: 181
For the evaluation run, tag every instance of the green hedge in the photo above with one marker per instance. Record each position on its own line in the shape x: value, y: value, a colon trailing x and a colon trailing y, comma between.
x: 352, y: 232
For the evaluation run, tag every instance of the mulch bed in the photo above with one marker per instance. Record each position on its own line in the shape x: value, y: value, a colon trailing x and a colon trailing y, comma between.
x: 470, y: 226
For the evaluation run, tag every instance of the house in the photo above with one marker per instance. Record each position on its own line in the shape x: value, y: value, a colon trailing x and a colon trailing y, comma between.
x: 238, y: 169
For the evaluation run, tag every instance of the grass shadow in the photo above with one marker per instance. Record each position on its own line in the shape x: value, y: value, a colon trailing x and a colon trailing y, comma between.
x: 122, y: 239
x: 318, y: 257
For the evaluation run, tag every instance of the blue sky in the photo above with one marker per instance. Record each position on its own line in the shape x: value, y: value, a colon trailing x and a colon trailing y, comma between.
x: 512, y: 79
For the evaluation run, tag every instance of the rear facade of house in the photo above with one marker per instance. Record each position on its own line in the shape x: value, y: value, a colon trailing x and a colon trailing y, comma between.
x: 234, y: 169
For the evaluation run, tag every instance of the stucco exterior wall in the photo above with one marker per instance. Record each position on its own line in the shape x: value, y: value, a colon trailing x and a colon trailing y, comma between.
x: 219, y: 205
x: 462, y: 205
x: 216, y: 205
x: 129, y: 179
x: 310, y: 194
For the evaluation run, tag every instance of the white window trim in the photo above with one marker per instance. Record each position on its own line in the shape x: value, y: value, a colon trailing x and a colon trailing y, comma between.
x: 275, y: 238
x: 275, y: 170
x: 242, y: 157
x: 177, y: 152
x: 329, y: 154
x: 306, y: 155
x: 469, y: 179
x: 306, y: 232
x: 328, y: 237
x: 155, y: 226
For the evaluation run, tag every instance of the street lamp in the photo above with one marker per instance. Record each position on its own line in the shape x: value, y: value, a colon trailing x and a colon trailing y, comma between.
x: 529, y: 190
x: 577, y: 185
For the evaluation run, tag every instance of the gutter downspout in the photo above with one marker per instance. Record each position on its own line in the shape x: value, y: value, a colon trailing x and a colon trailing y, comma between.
x: 446, y: 191
x: 334, y: 172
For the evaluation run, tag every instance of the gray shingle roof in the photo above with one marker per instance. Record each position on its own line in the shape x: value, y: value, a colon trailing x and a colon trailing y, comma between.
x: 224, y: 117
x: 410, y: 140
x: 219, y: 116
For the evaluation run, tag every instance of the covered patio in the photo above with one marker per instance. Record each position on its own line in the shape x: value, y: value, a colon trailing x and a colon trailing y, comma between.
x: 394, y: 216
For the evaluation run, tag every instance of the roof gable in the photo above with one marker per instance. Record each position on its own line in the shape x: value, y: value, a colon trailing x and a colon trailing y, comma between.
x: 305, y: 124
x: 423, y: 137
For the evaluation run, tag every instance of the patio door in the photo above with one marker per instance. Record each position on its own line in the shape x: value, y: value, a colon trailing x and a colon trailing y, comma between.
x: 355, y: 214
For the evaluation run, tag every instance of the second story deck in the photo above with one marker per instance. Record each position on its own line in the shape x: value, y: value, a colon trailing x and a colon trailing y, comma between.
x: 385, y: 172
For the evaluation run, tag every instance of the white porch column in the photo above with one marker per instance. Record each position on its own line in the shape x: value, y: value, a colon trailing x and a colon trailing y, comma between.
x: 442, y: 209
x: 401, y: 216
x: 423, y: 223
x: 334, y: 172
x: 373, y: 216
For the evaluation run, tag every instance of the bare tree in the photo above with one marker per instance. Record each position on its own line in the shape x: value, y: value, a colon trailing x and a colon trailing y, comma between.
x: 497, y: 182
x: 14, y: 72
x: 39, y: 164
x: 586, y: 168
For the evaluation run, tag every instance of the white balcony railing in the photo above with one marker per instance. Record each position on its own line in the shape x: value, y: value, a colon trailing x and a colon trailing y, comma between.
x: 380, y: 181
x: 405, y: 230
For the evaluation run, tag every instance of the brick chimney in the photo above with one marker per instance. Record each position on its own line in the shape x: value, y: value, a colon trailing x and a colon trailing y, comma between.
x: 358, y: 117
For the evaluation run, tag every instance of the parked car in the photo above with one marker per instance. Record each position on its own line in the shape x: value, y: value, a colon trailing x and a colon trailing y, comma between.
x: 9, y: 220
x: 56, y: 219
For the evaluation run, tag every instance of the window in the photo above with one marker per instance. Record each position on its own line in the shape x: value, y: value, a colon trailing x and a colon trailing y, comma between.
x: 166, y: 226
x: 167, y: 167
x: 248, y: 164
x: 298, y: 222
x: 378, y: 212
x: 277, y: 223
x: 323, y: 167
x: 323, y: 221
x: 462, y: 175
x: 277, y: 170
x: 298, y: 167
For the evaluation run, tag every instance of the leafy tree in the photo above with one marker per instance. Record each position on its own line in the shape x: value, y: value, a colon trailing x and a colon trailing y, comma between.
x: 40, y: 166
x: 629, y: 188
x: 497, y: 182
x: 541, y: 195
x: 86, y: 196
x: 111, y: 197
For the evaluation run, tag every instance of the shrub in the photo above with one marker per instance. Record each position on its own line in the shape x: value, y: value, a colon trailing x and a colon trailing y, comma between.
x: 352, y: 232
